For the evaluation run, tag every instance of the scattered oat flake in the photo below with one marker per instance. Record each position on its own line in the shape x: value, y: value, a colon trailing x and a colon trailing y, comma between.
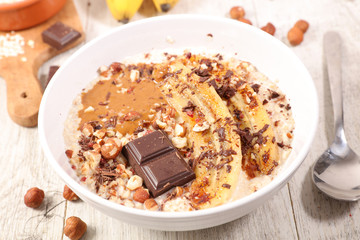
x: 23, y: 59
x: 31, y: 43
x: 11, y: 45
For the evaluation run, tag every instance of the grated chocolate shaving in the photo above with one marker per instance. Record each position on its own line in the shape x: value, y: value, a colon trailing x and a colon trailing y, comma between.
x: 221, y: 133
x: 189, y: 107
x: 111, y: 123
x: 225, y: 185
x: 256, y: 87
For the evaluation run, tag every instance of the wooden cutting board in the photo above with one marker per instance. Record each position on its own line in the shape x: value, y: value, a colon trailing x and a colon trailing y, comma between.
x: 24, y: 91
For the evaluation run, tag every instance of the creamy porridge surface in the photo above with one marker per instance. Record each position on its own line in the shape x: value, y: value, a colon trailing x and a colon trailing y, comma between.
x: 231, y: 124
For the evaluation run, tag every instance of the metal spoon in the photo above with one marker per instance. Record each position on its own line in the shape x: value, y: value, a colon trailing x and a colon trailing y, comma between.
x: 337, y: 171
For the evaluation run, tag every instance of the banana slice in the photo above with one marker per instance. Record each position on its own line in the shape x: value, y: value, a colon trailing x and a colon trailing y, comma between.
x: 264, y: 150
x: 217, y: 150
x: 260, y: 151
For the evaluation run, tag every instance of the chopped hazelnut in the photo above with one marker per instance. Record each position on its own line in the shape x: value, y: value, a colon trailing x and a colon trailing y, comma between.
x: 93, y: 157
x: 150, y: 204
x: 178, y: 191
x: 132, y: 116
x: 200, y: 127
x: 111, y: 148
x: 134, y: 182
x: 134, y: 75
x: 100, y: 133
x: 180, y: 131
x: 69, y: 153
x: 87, y: 129
x: 179, y: 142
x: 141, y: 195
x: 161, y: 124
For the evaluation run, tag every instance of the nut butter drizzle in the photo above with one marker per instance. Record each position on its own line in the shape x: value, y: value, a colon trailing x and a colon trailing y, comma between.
x: 122, y: 101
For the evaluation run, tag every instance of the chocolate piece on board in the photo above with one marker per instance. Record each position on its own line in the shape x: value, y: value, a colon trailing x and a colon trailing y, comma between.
x: 158, y: 162
x: 52, y: 71
x: 59, y: 35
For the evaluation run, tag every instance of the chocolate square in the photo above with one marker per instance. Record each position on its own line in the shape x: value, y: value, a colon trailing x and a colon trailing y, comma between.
x: 150, y: 146
x: 158, y: 162
x: 59, y: 35
x: 52, y: 71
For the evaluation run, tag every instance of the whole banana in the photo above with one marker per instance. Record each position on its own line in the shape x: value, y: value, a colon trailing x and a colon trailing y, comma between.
x: 123, y: 10
x: 164, y: 5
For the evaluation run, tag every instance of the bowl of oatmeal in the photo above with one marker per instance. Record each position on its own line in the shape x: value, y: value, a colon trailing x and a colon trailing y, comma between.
x: 192, y: 128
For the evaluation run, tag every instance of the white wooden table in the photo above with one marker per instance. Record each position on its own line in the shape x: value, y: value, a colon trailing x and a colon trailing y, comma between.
x: 298, y: 211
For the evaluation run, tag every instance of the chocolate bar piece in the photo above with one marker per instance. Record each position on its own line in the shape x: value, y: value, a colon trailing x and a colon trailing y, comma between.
x: 158, y: 162
x: 52, y: 71
x: 59, y: 35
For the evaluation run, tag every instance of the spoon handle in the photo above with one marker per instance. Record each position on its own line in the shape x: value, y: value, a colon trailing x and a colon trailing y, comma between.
x: 332, y: 46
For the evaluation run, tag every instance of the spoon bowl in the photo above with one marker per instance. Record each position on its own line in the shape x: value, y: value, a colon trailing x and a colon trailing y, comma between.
x: 337, y: 171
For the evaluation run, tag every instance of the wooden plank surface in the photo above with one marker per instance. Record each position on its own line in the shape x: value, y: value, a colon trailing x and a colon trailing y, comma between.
x: 298, y: 211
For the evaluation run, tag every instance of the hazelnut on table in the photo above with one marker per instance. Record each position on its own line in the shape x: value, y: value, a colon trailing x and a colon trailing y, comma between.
x: 295, y: 36
x: 68, y: 194
x: 74, y: 228
x: 302, y: 25
x: 296, y: 33
x: 237, y: 12
x: 269, y: 28
x: 34, y: 197
x: 245, y: 20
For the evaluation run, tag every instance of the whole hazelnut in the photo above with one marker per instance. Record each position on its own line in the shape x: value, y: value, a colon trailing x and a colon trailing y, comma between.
x: 245, y: 20
x: 151, y: 205
x: 34, y: 197
x: 302, y: 25
x: 68, y: 194
x: 269, y: 28
x: 237, y: 12
x: 295, y: 36
x: 141, y: 195
x: 74, y: 228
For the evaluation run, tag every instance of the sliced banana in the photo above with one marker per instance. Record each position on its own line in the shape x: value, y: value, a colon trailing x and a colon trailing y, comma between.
x: 261, y: 152
x: 217, y: 151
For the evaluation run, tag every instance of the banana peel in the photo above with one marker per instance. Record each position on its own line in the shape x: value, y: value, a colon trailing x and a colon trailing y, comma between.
x: 123, y: 10
x: 164, y: 5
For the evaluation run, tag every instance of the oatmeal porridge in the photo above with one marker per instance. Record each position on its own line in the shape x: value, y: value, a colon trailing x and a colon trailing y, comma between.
x: 228, y: 126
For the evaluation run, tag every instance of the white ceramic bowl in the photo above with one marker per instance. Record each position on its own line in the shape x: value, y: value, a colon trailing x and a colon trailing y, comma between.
x: 268, y: 54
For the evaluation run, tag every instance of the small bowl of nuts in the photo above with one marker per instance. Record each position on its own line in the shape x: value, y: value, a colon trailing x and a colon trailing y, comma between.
x: 177, y: 132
